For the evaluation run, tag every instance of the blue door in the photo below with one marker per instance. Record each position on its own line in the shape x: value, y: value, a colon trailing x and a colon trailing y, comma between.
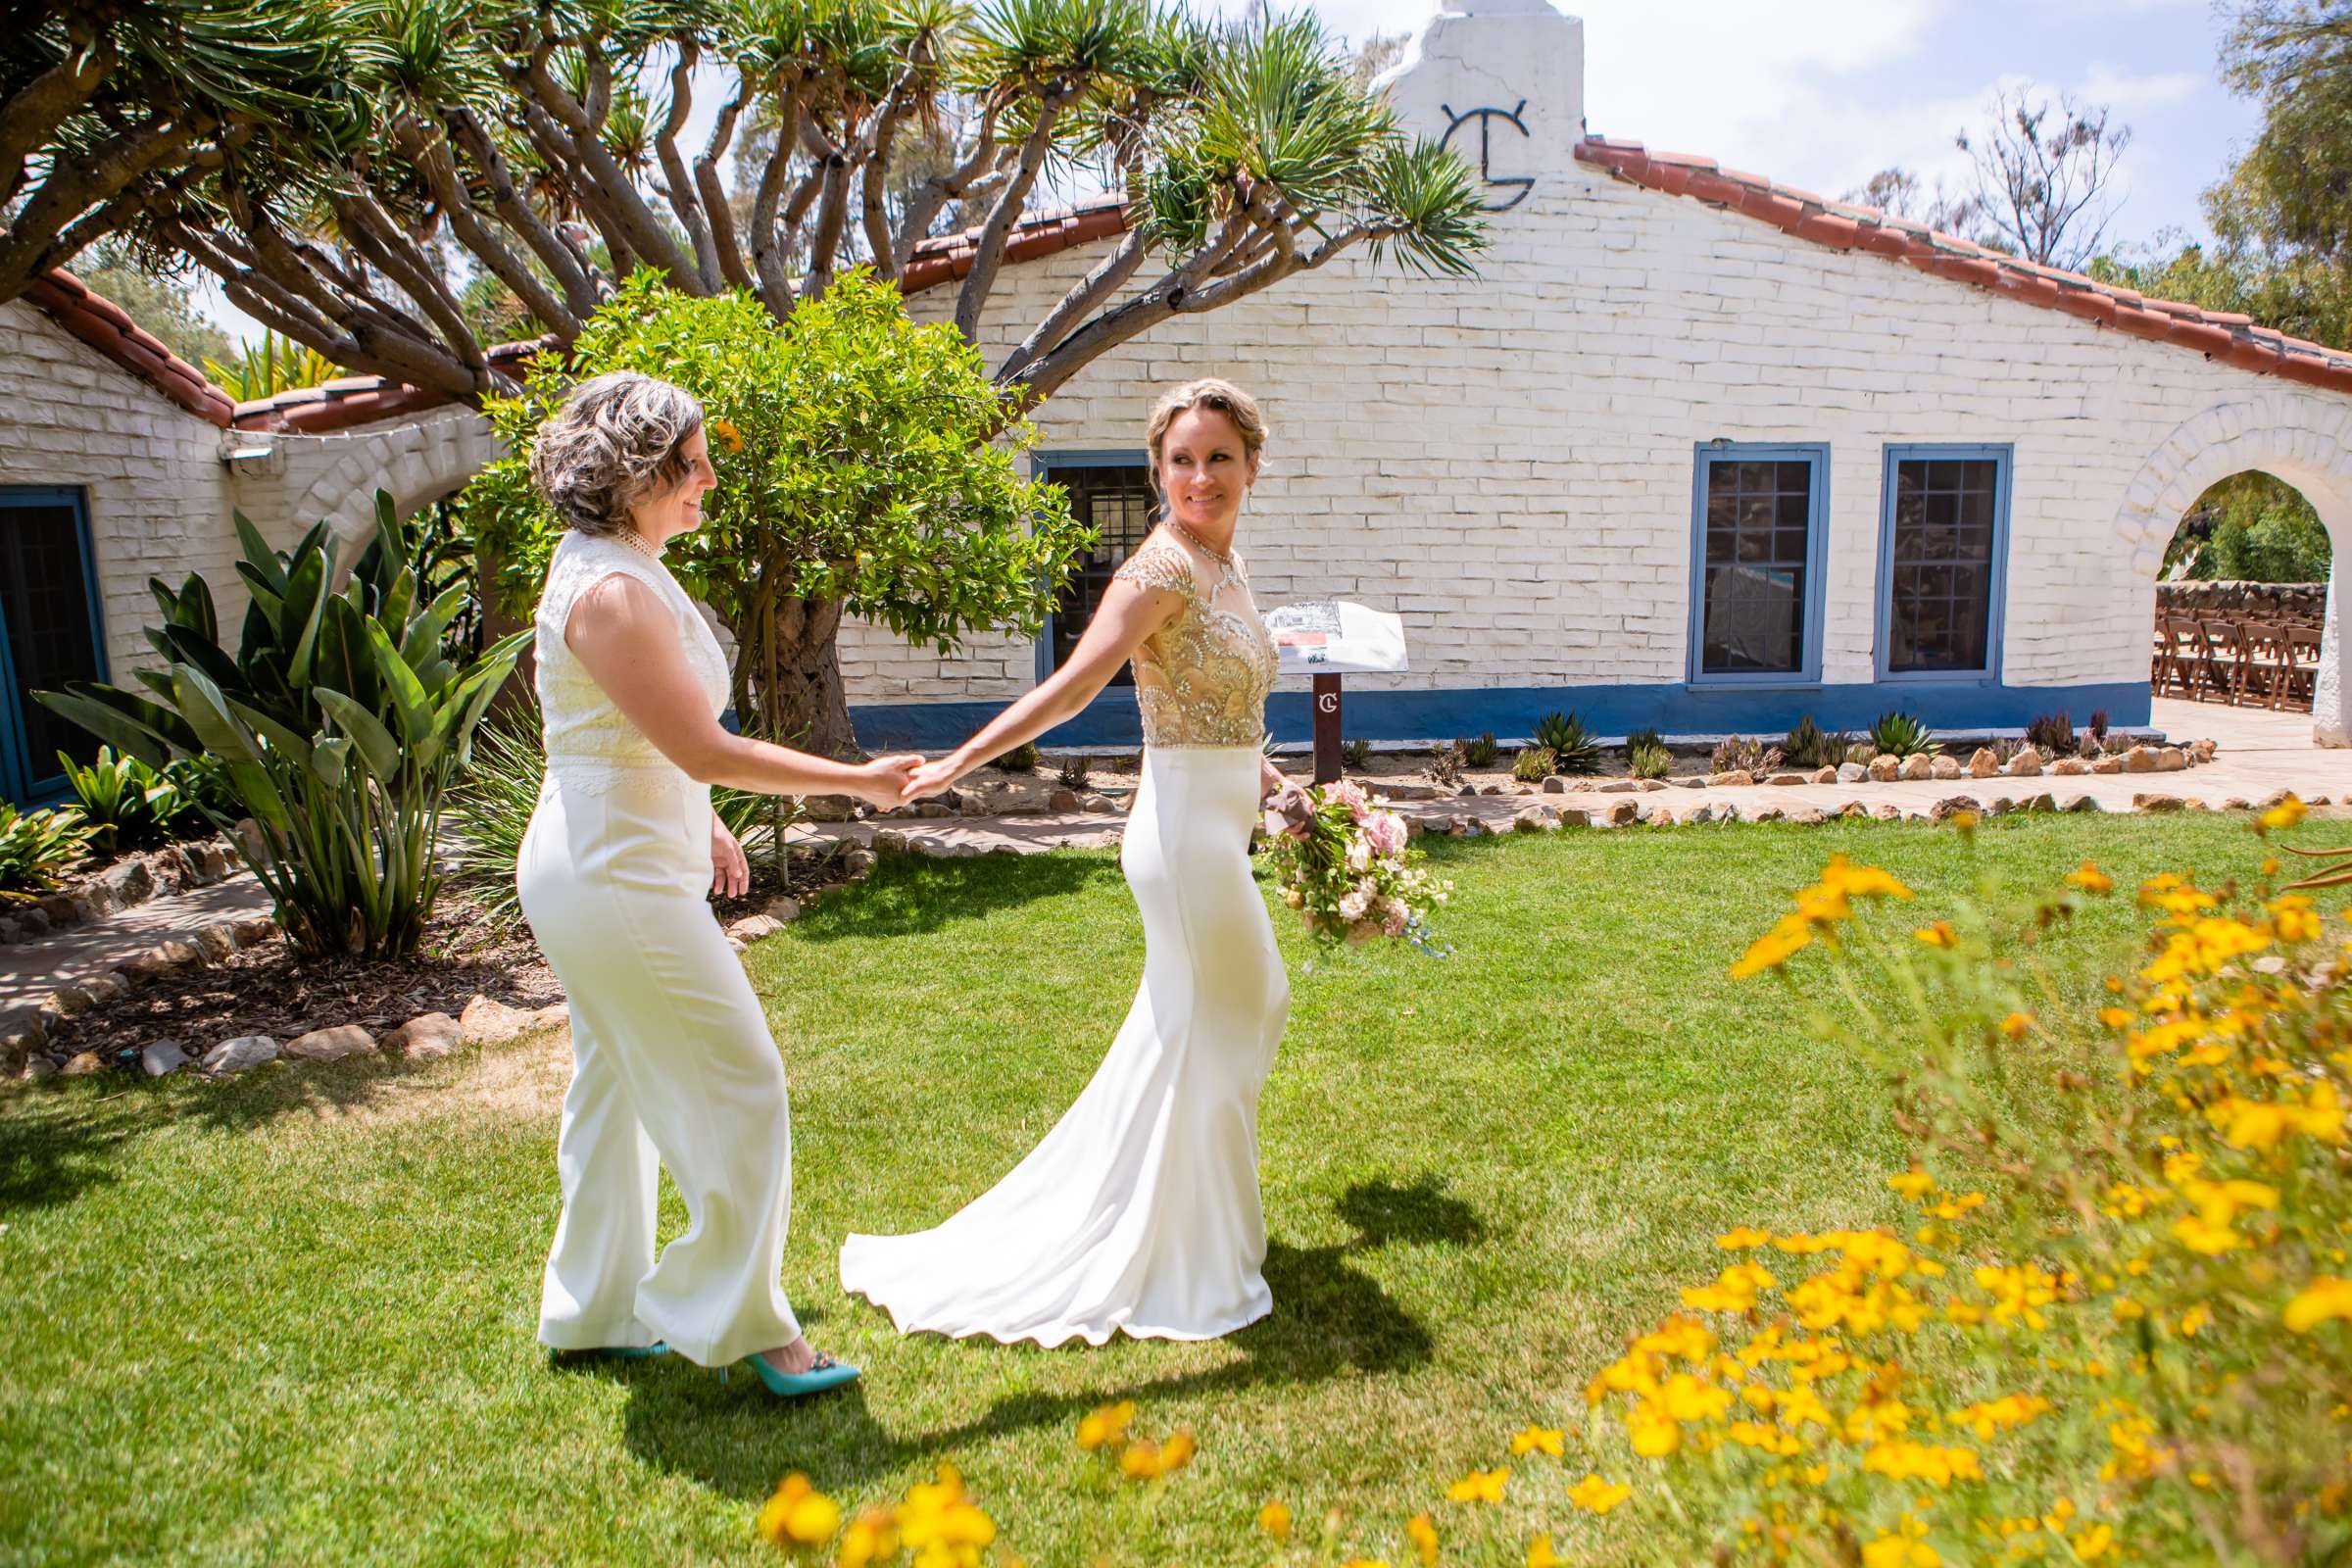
x: 49, y: 634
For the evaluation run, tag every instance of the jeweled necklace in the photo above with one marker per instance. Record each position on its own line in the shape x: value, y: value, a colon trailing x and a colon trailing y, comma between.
x: 636, y: 541
x: 1228, y: 573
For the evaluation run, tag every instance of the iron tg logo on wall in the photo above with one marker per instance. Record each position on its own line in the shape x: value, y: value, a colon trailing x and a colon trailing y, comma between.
x: 1519, y: 184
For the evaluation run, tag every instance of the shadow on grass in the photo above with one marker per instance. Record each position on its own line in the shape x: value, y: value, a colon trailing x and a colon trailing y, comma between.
x: 1330, y: 1318
x: 52, y: 1152
x: 913, y: 894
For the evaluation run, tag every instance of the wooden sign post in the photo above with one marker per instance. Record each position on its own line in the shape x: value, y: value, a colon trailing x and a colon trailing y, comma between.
x: 1327, y: 728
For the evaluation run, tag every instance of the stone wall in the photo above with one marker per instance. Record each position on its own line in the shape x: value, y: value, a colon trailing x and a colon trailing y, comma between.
x: 2307, y: 600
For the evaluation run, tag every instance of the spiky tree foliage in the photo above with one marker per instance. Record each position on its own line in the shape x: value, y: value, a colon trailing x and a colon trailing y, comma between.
x: 320, y: 182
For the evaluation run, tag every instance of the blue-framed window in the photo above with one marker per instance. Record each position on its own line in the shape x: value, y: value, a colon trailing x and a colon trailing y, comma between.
x: 1760, y: 524
x: 1943, y: 549
x: 1112, y: 491
x: 50, y: 633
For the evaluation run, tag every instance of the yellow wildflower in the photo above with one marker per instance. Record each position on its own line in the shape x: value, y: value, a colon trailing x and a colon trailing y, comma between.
x: 1106, y: 1425
x: 940, y: 1524
x: 1545, y: 1440
x: 1480, y: 1485
x: 2016, y: 1024
x: 1913, y: 1183
x: 1860, y: 881
x: 2327, y: 1296
x: 1774, y: 947
x: 1424, y: 1537
x: 1742, y: 1238
x: 2285, y: 814
x: 797, y: 1515
x: 1541, y: 1556
x: 1597, y: 1495
x: 2094, y: 1543
x: 872, y: 1537
x: 2091, y: 879
x: 1275, y: 1520
x: 1735, y: 1289
x: 1653, y: 1436
x: 1939, y: 935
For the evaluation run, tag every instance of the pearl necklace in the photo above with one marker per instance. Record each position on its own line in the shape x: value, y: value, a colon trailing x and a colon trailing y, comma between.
x: 636, y: 541
x: 1227, y: 573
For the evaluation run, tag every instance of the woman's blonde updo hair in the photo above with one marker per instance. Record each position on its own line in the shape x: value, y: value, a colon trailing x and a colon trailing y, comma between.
x: 1208, y: 393
x: 617, y: 439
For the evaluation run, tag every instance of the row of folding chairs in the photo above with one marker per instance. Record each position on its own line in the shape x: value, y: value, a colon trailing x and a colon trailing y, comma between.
x: 2248, y: 662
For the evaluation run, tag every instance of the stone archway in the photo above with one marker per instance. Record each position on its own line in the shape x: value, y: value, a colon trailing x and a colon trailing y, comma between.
x: 2302, y: 438
x: 417, y: 460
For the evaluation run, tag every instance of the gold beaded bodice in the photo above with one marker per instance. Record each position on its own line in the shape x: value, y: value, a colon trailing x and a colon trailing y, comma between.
x: 1202, y: 678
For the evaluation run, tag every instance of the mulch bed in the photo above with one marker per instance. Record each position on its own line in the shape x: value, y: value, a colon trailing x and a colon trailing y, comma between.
x: 262, y: 991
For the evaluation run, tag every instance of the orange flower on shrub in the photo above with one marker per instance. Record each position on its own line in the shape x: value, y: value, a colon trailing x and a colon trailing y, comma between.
x: 728, y: 436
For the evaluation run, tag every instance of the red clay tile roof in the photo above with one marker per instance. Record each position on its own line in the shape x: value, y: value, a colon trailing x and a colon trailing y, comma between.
x: 362, y: 399
x: 106, y: 327
x: 351, y: 400
x: 2231, y: 338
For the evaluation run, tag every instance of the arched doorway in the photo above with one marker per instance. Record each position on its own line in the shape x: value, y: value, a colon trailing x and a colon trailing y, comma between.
x: 2305, y: 441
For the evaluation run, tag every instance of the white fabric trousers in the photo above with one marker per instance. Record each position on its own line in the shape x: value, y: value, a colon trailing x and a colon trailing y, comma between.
x: 671, y: 1061
x: 1139, y: 1213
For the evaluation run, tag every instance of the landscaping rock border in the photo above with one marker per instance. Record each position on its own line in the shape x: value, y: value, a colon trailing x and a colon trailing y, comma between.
x: 127, y: 884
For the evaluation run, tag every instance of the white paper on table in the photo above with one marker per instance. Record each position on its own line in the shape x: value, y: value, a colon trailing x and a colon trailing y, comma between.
x: 1336, y: 637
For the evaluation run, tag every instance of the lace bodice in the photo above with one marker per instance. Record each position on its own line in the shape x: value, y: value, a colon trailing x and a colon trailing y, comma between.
x: 1202, y: 678
x: 587, y: 738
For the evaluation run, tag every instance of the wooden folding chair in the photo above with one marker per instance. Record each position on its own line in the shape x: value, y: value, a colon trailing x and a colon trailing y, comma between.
x: 2300, y: 676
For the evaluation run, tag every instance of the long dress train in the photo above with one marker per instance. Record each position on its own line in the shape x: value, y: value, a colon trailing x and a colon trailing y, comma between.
x: 1139, y: 1213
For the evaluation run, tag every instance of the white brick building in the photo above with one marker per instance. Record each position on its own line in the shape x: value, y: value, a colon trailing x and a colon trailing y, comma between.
x: 1522, y: 464
x: 1957, y: 472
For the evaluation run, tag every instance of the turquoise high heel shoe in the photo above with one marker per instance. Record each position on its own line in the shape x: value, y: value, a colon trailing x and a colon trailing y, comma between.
x: 827, y: 1373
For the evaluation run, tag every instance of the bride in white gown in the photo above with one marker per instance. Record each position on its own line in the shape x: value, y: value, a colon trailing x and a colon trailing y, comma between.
x: 1140, y: 1212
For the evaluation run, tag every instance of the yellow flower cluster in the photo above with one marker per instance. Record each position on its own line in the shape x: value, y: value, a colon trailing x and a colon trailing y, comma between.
x: 2135, y: 1237
x: 937, y: 1525
x: 1106, y: 1430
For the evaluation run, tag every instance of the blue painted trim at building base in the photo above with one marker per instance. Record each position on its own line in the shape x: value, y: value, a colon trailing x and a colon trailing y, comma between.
x: 1510, y: 712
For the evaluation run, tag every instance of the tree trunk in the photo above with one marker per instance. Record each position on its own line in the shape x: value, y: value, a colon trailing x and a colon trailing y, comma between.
x: 791, y: 673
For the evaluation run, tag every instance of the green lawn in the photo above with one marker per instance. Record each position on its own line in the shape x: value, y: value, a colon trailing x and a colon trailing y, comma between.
x: 289, y: 1319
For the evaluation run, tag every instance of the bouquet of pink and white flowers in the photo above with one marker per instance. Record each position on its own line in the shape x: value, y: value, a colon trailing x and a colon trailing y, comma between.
x: 1342, y: 862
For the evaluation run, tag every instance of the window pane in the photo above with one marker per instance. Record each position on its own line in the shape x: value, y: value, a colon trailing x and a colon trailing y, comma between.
x: 1753, y: 585
x: 1119, y: 502
x: 1939, y: 609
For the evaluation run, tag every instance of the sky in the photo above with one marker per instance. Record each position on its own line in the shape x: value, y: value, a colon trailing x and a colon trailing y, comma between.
x: 1820, y: 94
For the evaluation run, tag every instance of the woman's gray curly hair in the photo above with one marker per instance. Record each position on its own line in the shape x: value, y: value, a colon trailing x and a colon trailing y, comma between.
x: 617, y: 439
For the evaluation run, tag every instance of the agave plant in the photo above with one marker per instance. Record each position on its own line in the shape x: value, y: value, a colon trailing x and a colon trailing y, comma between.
x: 1576, y: 748
x: 1479, y: 751
x: 128, y: 804
x: 341, y: 722
x: 2053, y: 735
x: 1903, y: 735
x: 1650, y: 760
x: 37, y: 848
x: 1646, y: 735
x: 1533, y: 765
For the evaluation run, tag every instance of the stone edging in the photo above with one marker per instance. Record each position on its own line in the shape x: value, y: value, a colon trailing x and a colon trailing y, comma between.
x: 1542, y: 815
x: 124, y: 885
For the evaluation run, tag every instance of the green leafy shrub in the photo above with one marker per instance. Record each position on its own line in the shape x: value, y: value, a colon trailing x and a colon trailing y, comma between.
x: 340, y: 720
x: 204, y: 783
x: 1738, y: 754
x: 1022, y: 759
x: 1650, y: 760
x: 2052, y: 735
x: 1904, y: 736
x: 1533, y: 765
x: 1356, y: 755
x: 128, y: 804
x: 37, y: 849
x: 866, y: 468
x: 1479, y: 751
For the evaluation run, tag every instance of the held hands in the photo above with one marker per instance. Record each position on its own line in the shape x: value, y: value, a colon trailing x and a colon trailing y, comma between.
x: 882, y: 782
x: 930, y: 779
